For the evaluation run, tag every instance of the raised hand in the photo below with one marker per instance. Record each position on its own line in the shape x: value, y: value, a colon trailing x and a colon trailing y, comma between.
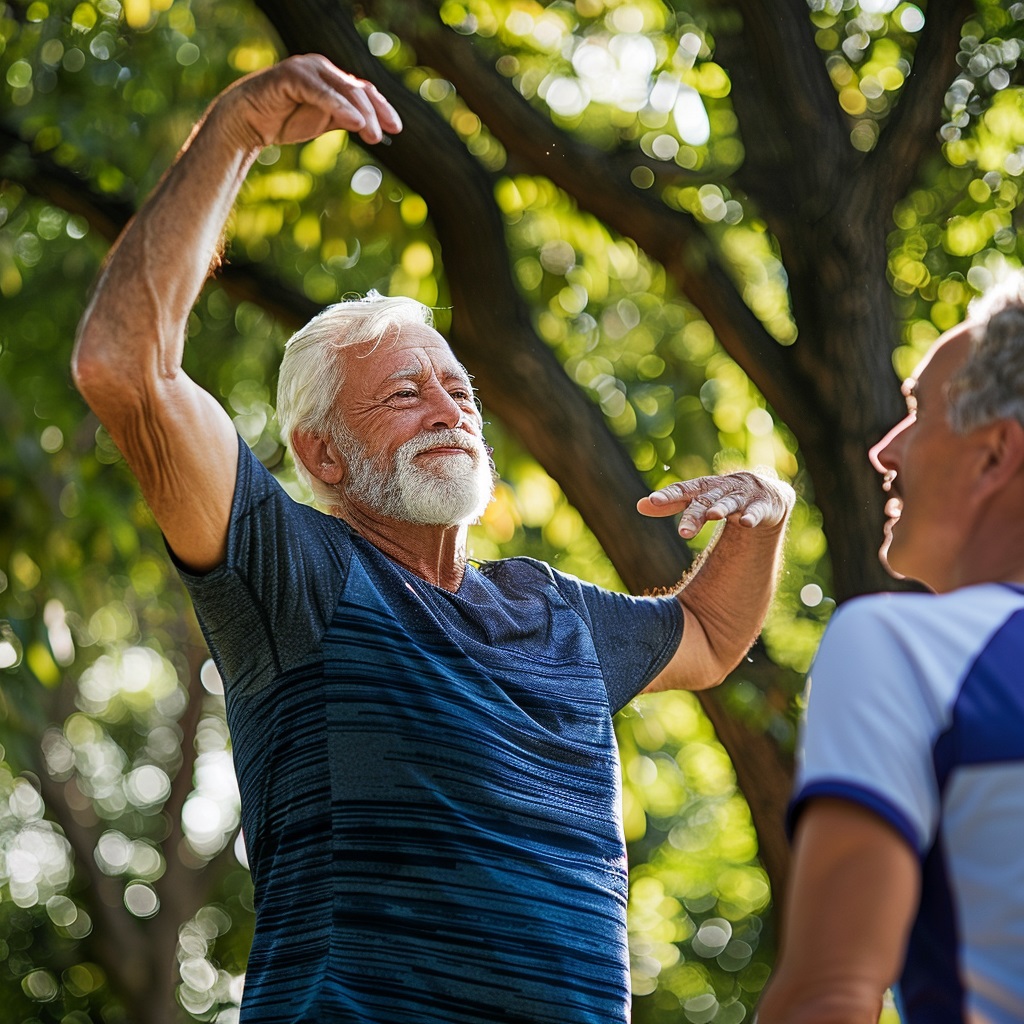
x: 303, y: 97
x: 742, y: 497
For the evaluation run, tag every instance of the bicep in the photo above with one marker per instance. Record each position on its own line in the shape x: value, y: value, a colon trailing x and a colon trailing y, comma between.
x: 183, y: 450
x: 853, y: 895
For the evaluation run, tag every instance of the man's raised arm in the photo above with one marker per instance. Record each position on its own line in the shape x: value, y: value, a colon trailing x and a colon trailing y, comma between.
x: 177, y: 439
x: 726, y: 596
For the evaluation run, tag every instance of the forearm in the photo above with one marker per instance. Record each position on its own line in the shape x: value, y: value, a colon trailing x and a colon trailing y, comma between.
x: 726, y: 595
x: 853, y: 893
x: 136, y: 321
x: 730, y: 589
x: 132, y: 334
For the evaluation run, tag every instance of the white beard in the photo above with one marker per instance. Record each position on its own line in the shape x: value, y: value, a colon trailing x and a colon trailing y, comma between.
x: 454, y: 491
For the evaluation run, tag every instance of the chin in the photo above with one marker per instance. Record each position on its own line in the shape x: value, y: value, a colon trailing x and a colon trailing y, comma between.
x: 887, y: 566
x: 884, y: 552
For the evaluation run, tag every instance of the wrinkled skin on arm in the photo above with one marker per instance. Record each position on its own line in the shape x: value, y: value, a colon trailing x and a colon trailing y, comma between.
x: 726, y: 596
x: 177, y: 439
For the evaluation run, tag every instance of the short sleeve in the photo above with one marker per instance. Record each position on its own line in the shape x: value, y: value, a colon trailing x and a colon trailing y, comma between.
x: 872, y: 722
x: 635, y: 637
x: 277, y: 548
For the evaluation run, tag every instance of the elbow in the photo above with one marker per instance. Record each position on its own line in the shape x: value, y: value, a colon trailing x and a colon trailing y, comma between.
x: 87, y: 372
x: 95, y: 378
x: 90, y: 367
x: 101, y: 374
x: 709, y: 658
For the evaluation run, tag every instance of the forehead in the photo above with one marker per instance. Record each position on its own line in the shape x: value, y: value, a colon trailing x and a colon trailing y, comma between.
x: 941, y: 362
x: 413, y: 350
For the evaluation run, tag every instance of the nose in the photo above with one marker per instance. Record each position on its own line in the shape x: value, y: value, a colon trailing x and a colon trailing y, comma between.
x: 885, y: 454
x: 441, y: 411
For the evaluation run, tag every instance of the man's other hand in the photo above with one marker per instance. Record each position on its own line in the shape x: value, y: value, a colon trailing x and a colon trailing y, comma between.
x: 746, y: 498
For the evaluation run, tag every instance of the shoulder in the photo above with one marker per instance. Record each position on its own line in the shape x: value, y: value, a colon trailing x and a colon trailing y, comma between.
x: 912, y: 625
x: 523, y: 575
x: 520, y: 570
x: 882, y: 691
x: 517, y: 564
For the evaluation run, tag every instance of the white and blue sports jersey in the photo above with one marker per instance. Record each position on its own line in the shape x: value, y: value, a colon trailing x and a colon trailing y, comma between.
x: 916, y: 711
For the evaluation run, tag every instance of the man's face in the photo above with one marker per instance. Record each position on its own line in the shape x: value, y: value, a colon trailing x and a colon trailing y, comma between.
x: 415, y: 451
x: 922, y: 460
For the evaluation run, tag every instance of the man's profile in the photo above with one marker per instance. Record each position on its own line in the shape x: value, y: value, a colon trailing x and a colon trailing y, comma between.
x: 909, y: 803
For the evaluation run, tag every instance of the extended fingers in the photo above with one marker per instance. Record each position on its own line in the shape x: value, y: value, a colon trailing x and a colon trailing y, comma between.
x: 758, y: 512
x: 749, y: 499
x: 669, y: 500
x: 365, y: 100
x: 306, y: 95
x: 700, y: 501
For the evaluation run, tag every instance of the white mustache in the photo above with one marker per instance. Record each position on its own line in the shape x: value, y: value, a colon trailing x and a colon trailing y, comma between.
x: 452, y: 438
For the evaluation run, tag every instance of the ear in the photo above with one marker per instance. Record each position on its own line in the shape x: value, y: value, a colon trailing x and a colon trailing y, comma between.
x: 322, y: 459
x: 1003, y: 454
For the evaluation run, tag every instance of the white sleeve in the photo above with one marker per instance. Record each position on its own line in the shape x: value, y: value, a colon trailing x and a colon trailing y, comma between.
x: 873, y: 717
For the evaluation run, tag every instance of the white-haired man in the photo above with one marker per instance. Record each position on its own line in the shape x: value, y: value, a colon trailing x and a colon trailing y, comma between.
x: 424, y: 748
x: 909, y: 805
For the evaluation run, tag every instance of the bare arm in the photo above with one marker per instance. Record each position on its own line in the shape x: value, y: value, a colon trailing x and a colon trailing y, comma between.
x: 853, y: 895
x: 726, y: 597
x: 177, y: 439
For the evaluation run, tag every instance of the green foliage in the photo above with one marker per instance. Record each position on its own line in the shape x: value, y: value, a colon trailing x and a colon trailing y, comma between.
x: 104, y: 709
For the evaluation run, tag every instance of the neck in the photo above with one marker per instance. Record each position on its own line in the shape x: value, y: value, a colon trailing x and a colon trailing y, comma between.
x: 436, y: 554
x: 989, y: 567
x: 994, y: 550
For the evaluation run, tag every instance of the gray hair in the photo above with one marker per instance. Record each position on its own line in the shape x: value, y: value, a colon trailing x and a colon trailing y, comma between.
x: 990, y: 385
x: 312, y: 374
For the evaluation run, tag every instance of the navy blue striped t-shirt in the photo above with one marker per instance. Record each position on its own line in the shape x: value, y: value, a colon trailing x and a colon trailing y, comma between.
x: 429, y: 780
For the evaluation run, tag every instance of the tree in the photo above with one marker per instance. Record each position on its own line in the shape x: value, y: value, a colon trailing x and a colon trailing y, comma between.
x: 640, y: 208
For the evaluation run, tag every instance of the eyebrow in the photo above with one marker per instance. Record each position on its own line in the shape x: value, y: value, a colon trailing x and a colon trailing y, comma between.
x: 415, y: 371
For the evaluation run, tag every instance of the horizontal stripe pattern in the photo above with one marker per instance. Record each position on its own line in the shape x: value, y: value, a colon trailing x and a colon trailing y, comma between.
x: 429, y: 781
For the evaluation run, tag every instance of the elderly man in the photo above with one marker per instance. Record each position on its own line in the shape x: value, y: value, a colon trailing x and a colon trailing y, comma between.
x: 910, y: 797
x: 424, y: 748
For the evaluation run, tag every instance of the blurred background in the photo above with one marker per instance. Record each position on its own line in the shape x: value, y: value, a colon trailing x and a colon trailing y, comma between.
x: 668, y: 237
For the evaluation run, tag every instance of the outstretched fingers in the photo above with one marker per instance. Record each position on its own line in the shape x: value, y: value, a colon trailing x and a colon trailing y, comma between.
x: 306, y: 95
x: 749, y: 499
x: 365, y: 100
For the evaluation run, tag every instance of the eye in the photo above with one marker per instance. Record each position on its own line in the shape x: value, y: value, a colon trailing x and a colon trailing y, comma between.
x: 403, y: 396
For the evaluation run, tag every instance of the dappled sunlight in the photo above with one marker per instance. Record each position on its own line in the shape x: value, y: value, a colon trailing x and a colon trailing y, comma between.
x: 111, y: 774
x: 695, y: 929
x: 211, y: 813
x: 203, y: 984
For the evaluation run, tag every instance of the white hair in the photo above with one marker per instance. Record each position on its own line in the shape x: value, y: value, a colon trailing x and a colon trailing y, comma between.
x: 990, y: 384
x: 312, y: 374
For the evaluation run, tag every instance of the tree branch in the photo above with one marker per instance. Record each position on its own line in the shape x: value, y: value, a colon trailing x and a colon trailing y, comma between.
x: 909, y: 133
x: 601, y: 184
x: 784, y: 77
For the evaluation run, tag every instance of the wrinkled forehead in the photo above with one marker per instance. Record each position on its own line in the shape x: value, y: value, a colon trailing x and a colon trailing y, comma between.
x: 404, y: 350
